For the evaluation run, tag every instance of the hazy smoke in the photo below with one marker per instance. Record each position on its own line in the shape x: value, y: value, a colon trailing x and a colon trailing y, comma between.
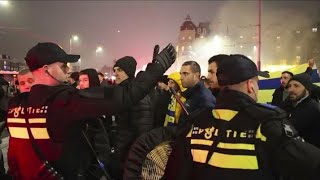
x: 278, y: 19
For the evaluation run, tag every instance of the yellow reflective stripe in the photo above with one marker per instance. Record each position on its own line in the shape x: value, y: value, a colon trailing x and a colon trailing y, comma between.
x: 259, y: 135
x: 241, y: 146
x: 199, y: 155
x: 19, y: 132
x: 233, y: 161
x: 37, y: 120
x: 224, y: 114
x: 40, y: 133
x: 16, y: 120
x: 202, y: 142
x: 189, y: 134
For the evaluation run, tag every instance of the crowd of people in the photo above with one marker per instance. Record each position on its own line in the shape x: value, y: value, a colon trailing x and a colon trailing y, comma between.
x: 77, y: 125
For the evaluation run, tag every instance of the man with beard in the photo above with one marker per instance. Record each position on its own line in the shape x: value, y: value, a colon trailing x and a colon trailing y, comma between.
x: 281, y: 93
x: 304, y: 110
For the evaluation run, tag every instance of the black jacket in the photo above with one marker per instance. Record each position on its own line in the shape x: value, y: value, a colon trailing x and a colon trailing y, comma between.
x: 305, y: 118
x: 277, y: 97
x: 131, y: 124
x: 274, y: 150
x: 160, y: 102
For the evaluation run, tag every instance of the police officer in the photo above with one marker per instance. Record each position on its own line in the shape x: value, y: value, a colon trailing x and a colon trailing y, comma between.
x: 241, y: 139
x: 45, y: 124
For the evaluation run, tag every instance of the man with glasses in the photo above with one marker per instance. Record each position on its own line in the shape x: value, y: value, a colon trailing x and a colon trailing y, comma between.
x: 46, y: 123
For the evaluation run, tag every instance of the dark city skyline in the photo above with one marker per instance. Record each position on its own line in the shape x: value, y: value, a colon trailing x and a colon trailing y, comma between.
x: 133, y: 28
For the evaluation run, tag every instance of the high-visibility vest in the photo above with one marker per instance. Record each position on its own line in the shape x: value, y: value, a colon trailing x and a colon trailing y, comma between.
x: 22, y: 122
x: 236, y: 155
x: 18, y: 123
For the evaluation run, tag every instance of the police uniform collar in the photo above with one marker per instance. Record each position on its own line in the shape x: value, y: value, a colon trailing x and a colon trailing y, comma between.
x: 41, y: 90
x: 228, y: 98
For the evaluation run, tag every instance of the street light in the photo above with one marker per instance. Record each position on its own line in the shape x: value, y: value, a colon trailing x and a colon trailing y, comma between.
x: 4, y: 3
x: 99, y: 50
x: 73, y: 38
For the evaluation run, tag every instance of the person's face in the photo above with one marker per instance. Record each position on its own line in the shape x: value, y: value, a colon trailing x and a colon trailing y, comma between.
x: 100, y: 78
x: 120, y: 75
x: 296, y: 91
x: 25, y: 82
x: 172, y: 84
x: 285, y: 77
x: 59, y: 71
x: 212, y: 76
x: 188, y: 78
x: 84, y: 81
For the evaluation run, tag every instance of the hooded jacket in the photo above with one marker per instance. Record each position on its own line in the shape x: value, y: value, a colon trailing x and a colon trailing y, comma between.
x: 95, y: 130
x: 174, y: 108
x: 93, y: 77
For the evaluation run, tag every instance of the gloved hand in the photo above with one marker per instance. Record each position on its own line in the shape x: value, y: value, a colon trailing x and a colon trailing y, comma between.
x: 155, y: 51
x: 166, y: 57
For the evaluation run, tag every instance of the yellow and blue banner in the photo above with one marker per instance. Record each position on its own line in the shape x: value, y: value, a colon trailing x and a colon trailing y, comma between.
x: 268, y: 85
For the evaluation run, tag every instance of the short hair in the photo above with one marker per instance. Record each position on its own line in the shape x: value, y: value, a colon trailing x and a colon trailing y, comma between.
x: 287, y: 72
x: 24, y: 71
x: 217, y: 59
x: 195, y: 67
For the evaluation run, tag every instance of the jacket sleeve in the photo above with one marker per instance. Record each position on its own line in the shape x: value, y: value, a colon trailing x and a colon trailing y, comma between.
x: 112, y: 100
x: 140, y: 86
x: 290, y: 155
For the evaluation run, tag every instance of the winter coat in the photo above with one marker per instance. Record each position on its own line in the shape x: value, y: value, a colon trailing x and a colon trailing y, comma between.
x: 277, y: 97
x: 131, y: 124
x: 305, y: 118
x: 197, y: 97
x: 161, y: 100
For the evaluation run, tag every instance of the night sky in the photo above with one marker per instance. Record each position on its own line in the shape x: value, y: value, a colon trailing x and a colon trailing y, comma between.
x: 142, y: 24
